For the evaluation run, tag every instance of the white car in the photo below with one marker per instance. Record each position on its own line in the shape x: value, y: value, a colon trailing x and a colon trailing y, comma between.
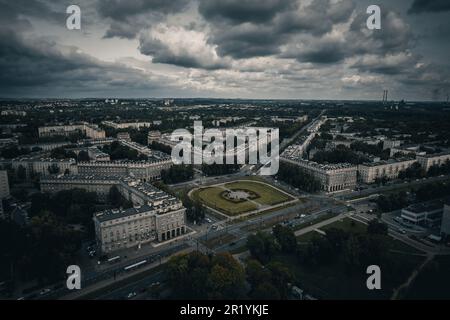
x: 131, y: 295
x: 44, y: 291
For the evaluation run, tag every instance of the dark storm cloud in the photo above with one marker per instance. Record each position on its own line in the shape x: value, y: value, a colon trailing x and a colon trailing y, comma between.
x: 246, y: 37
x: 162, y: 53
x: 420, y: 6
x: 30, y: 66
x: 240, y: 11
x: 247, y: 41
x: 388, y: 64
x: 12, y: 13
x: 323, y: 52
x: 394, y: 36
x: 122, y: 10
x: 129, y: 17
x: 317, y: 18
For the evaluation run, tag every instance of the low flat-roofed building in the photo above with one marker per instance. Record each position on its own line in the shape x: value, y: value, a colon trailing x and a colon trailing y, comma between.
x: 428, y: 214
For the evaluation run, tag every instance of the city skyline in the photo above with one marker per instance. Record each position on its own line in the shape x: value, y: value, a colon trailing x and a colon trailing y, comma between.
x: 277, y: 49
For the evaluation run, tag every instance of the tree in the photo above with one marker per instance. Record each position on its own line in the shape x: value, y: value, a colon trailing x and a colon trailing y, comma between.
x: 114, y: 196
x: 298, y: 177
x: 257, y: 273
x: 262, y: 246
x: 377, y: 227
x: 53, y: 169
x: 265, y: 291
x: 281, y: 278
x: 83, y: 156
x: 226, y: 279
x: 177, y: 174
x: 286, y: 238
x: 21, y: 172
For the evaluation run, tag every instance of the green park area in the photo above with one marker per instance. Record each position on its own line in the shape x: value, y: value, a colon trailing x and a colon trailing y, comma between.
x: 433, y: 281
x: 333, y: 265
x: 259, y: 195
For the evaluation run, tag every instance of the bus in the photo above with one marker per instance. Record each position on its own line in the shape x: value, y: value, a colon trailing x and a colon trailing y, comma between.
x: 135, y: 266
x: 113, y: 260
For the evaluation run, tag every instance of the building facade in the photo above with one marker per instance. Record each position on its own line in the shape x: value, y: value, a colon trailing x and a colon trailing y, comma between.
x: 90, y: 130
x: 445, y: 226
x: 333, y: 178
x: 156, y: 215
x: 424, y: 214
x: 127, y: 125
x: 44, y: 166
x: 146, y: 170
x: 4, y: 185
x: 370, y: 172
x: 99, y: 184
x: 429, y: 160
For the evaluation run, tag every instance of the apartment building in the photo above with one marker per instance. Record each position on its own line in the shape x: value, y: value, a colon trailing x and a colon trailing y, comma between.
x: 370, y: 172
x: 90, y: 130
x: 333, y: 177
x: 429, y: 160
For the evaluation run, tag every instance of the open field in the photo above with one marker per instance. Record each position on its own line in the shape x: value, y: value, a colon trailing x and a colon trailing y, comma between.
x: 262, y: 195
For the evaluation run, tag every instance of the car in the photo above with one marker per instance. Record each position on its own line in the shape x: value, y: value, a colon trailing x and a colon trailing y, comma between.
x: 44, y: 291
x: 302, y: 215
x: 402, y: 231
x: 154, y: 284
x: 208, y: 220
x: 131, y: 295
x: 214, y: 227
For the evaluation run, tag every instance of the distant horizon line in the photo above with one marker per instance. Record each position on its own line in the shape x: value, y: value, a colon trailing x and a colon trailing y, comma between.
x: 230, y: 99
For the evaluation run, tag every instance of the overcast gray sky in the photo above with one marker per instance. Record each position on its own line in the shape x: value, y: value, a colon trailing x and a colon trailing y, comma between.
x: 303, y: 49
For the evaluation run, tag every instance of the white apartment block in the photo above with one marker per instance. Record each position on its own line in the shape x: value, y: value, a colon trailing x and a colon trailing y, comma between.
x: 4, y: 184
x: 127, y: 125
x: 369, y: 172
x: 427, y: 161
x: 156, y: 215
x: 146, y: 170
x: 90, y: 130
x: 40, y: 166
x: 333, y: 178
x: 99, y: 184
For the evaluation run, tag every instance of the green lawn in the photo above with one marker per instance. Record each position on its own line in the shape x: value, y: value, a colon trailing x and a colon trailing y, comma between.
x: 267, y: 196
x: 213, y: 199
x: 348, y: 225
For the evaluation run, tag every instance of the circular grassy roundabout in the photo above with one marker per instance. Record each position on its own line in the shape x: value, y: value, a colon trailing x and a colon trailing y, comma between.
x: 241, y: 196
